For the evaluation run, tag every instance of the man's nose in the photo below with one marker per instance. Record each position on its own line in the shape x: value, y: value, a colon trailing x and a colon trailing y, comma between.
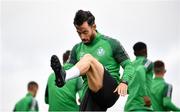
x: 83, y: 36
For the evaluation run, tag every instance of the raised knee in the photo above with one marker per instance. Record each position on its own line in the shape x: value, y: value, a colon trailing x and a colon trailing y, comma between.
x: 88, y: 56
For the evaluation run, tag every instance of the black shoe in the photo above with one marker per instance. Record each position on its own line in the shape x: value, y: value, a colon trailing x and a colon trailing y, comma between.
x: 58, y: 70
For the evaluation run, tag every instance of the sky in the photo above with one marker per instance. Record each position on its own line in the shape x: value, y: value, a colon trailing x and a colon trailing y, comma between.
x: 33, y: 30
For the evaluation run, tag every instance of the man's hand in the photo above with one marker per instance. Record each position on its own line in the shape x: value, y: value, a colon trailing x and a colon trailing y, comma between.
x: 147, y: 101
x: 121, y: 89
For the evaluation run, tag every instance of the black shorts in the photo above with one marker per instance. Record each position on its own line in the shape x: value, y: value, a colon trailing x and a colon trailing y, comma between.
x: 104, y: 98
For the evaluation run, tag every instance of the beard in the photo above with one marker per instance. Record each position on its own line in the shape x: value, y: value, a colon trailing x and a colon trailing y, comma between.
x: 87, y: 42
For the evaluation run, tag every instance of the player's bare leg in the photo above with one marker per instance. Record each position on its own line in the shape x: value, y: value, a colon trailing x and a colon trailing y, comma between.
x: 94, y: 70
x: 87, y: 65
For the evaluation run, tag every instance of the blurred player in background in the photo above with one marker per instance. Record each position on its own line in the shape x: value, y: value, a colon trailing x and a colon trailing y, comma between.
x: 28, y: 103
x: 63, y: 99
x: 139, y: 92
x: 161, y: 91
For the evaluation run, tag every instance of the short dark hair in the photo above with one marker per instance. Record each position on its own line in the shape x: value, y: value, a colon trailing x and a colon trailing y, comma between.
x: 82, y: 16
x: 32, y: 84
x: 66, y: 56
x: 159, y: 66
x: 140, y: 49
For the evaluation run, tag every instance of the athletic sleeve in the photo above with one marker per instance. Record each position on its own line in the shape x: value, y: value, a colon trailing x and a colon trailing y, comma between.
x: 148, y: 65
x: 14, y: 110
x: 121, y: 56
x: 141, y: 76
x: 79, y: 83
x: 33, y: 104
x: 46, y: 95
x: 129, y: 70
x: 119, y: 52
x: 167, y: 103
x: 37, y: 106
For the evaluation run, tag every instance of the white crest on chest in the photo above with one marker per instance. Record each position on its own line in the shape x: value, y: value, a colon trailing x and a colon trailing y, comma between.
x: 100, y: 51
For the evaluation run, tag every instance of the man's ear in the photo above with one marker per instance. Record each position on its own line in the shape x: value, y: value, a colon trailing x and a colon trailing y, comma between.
x: 94, y: 26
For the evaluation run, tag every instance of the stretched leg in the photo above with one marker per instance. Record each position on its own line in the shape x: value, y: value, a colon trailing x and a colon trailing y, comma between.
x: 94, y: 71
x: 101, y: 83
x: 88, y: 65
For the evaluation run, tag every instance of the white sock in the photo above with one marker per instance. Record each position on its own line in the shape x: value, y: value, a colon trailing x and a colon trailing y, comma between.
x: 72, y: 73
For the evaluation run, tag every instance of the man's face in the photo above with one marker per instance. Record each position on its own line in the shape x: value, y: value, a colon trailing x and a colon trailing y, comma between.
x: 86, y: 32
x: 35, y: 89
